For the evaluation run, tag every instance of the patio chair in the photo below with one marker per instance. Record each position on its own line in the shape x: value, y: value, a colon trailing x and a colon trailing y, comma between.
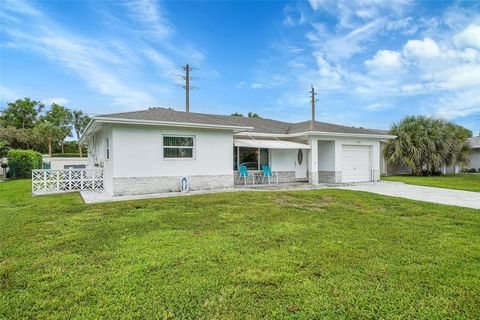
x: 243, y: 173
x: 267, y: 173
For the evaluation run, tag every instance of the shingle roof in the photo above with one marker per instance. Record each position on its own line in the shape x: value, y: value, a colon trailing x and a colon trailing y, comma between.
x: 474, y: 142
x: 260, y: 125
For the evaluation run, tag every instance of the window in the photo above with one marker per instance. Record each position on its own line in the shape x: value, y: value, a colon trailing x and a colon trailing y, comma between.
x: 178, y: 147
x: 253, y: 158
x: 107, y: 149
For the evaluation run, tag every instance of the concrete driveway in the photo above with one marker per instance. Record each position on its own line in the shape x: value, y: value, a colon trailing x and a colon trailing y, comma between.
x: 429, y: 194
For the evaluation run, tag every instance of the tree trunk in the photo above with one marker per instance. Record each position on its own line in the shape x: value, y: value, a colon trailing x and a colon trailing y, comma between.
x: 63, y: 146
x: 79, y: 149
x: 50, y: 147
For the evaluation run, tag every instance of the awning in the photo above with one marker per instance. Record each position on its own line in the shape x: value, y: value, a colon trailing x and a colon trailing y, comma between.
x: 269, y: 144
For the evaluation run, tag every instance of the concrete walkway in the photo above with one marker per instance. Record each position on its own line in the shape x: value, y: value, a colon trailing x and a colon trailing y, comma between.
x: 98, y: 196
x: 428, y: 194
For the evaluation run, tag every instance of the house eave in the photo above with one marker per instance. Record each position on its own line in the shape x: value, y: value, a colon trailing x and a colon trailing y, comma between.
x: 319, y: 133
x: 160, y: 123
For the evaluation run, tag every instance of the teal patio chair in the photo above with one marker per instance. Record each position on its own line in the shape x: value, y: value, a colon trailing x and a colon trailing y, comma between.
x: 267, y: 174
x: 243, y: 173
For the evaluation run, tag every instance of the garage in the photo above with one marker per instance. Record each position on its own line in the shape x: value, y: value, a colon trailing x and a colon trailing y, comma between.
x: 356, y: 163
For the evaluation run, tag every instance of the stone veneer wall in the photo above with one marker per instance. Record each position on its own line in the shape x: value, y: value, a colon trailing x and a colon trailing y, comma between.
x: 145, y: 185
x: 283, y: 177
x: 330, y: 176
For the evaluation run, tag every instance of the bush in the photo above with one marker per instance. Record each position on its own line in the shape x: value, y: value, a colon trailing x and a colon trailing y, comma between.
x: 21, y: 162
x: 470, y: 170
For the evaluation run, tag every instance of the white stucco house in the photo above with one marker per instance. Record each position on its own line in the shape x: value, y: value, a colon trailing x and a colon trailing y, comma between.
x: 475, y: 153
x: 150, y: 151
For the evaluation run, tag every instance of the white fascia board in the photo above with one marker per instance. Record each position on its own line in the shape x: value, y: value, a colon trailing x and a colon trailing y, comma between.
x: 319, y: 133
x: 158, y: 123
x: 85, y: 132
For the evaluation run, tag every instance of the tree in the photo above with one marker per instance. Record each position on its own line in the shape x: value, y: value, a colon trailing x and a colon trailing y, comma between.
x: 250, y: 115
x: 60, y: 117
x: 23, y: 113
x: 16, y: 138
x: 79, y: 123
x: 49, y: 132
x: 425, y: 144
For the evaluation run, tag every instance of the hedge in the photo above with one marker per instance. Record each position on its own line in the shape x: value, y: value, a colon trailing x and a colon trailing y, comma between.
x: 21, y: 162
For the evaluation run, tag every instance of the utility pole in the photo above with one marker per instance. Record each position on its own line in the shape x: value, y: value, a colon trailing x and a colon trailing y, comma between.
x: 313, y: 107
x: 187, y: 87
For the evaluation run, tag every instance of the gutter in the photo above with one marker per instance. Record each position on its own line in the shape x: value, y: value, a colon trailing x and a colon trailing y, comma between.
x: 161, y: 123
x: 319, y: 133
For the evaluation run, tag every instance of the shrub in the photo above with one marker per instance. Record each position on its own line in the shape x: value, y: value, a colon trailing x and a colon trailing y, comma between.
x: 21, y: 162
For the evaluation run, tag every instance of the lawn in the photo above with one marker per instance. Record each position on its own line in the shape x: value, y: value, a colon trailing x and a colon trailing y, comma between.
x: 468, y: 182
x: 298, y: 255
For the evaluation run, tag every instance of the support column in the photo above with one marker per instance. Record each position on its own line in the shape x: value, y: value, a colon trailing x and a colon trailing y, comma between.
x: 313, y: 161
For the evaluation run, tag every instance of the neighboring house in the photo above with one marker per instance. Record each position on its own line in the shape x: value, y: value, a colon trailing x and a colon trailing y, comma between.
x: 151, y: 151
x: 475, y: 154
x: 61, y: 163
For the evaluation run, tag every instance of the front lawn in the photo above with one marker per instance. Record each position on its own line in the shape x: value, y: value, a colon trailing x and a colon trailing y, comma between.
x: 468, y: 182
x: 300, y: 255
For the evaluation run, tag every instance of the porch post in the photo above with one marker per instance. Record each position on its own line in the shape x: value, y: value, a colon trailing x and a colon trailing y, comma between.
x: 313, y: 161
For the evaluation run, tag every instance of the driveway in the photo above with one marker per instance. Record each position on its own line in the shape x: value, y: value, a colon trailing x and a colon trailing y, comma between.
x: 429, y: 194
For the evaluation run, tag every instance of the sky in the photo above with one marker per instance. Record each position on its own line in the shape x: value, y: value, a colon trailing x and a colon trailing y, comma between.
x: 371, y: 62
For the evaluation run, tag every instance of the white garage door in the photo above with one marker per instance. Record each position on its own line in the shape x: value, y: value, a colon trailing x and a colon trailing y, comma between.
x: 356, y: 164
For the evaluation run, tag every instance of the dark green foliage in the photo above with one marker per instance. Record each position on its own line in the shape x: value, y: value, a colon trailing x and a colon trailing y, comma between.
x: 320, y: 254
x: 21, y: 114
x: 21, y: 162
x: 425, y: 144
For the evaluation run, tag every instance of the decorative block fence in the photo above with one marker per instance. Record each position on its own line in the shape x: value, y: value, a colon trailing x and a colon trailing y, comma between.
x: 45, y: 181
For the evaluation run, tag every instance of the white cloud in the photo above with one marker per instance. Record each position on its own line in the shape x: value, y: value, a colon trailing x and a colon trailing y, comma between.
x: 469, y: 37
x: 385, y: 59
x: 7, y: 94
x: 458, y: 104
x: 256, y: 85
x: 421, y: 49
x: 149, y: 14
x: 60, y: 101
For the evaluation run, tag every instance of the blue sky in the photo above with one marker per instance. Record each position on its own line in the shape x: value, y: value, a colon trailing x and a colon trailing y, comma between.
x: 372, y: 62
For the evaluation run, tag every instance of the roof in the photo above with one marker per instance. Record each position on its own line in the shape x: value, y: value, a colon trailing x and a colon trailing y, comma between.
x: 474, y: 141
x: 257, y: 125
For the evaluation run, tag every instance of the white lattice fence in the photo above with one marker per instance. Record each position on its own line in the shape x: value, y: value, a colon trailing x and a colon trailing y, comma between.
x: 55, y: 181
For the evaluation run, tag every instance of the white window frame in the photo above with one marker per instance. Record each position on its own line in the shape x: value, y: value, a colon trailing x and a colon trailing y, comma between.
x: 173, y: 135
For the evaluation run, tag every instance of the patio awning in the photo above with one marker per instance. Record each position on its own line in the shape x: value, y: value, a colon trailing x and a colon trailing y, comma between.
x: 269, y: 144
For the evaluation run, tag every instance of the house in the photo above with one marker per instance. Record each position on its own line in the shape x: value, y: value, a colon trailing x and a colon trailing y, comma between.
x: 475, y: 154
x: 389, y: 169
x: 151, y: 151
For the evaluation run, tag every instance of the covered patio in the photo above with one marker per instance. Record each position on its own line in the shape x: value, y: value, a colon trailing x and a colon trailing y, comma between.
x: 287, y: 161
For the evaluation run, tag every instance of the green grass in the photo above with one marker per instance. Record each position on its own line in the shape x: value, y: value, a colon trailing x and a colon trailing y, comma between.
x: 468, y: 182
x: 297, y: 255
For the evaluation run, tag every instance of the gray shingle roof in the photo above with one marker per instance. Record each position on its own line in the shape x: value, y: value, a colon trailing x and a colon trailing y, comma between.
x: 260, y: 125
x: 474, y: 141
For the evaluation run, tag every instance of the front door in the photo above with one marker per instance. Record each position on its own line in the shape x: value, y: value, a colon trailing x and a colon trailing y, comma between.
x: 301, y: 165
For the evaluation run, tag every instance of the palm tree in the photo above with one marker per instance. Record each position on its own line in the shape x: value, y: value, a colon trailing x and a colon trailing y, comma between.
x: 427, y: 144
x: 79, y: 123
x: 48, y: 132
